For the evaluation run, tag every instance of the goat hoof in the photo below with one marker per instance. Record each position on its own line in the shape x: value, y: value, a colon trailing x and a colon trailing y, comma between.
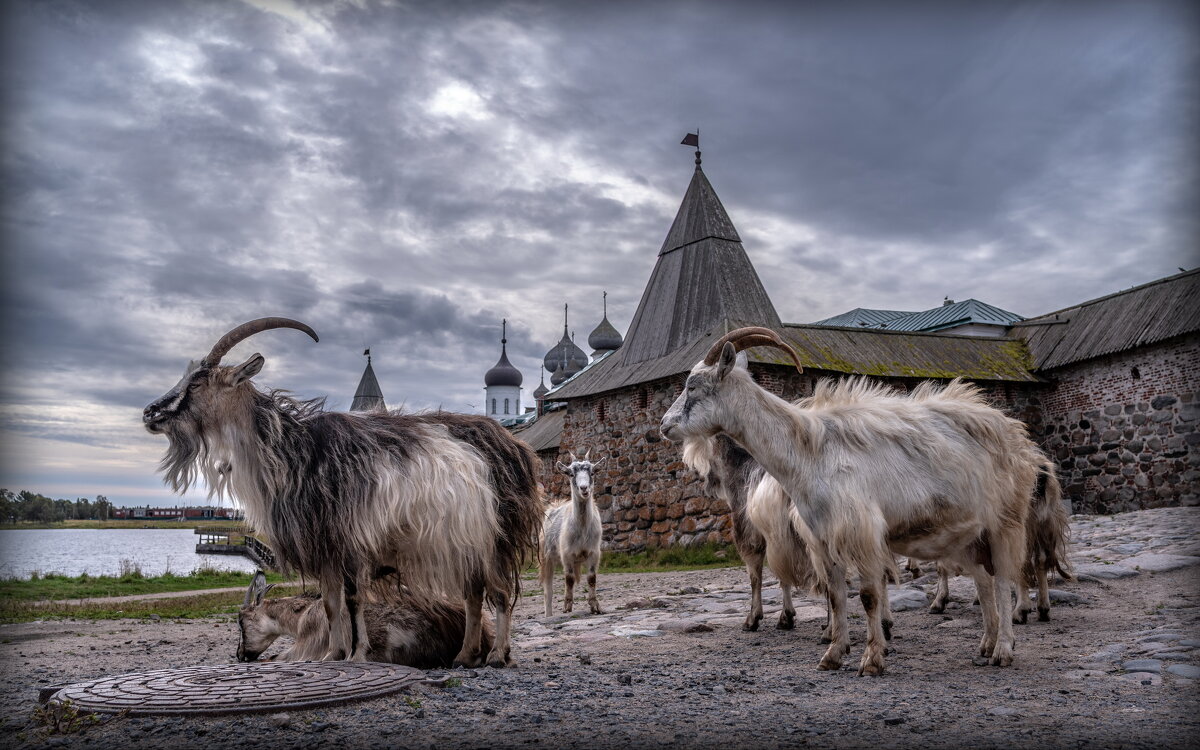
x: 937, y: 609
x: 786, y: 622
x: 1043, y: 614
x: 467, y: 662
x: 750, y: 626
x: 870, y: 670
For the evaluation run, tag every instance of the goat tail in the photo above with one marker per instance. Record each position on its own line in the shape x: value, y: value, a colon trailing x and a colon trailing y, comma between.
x: 1048, y: 528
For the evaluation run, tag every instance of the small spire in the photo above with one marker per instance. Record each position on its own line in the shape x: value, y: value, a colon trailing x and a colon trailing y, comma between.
x: 503, y: 331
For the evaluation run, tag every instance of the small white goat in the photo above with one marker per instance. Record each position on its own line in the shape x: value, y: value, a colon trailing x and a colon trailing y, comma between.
x: 408, y: 629
x: 571, y: 536
x: 936, y: 474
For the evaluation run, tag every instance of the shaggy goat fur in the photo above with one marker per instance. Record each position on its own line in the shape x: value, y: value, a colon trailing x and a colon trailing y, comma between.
x: 413, y: 630
x: 935, y: 474
x: 571, y: 537
x: 448, y: 502
x: 1047, y: 536
x: 762, y: 526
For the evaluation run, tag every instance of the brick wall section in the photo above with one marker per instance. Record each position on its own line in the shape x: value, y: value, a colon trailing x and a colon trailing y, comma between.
x: 1124, y: 428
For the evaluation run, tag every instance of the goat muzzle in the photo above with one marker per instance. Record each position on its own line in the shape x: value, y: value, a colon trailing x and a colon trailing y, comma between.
x: 245, y: 331
x: 751, y: 336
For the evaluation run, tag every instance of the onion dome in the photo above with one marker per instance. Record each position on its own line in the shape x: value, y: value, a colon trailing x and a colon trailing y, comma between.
x: 559, y: 375
x: 605, y: 338
x: 368, y: 396
x: 564, y: 353
x: 541, y: 390
x: 503, y: 373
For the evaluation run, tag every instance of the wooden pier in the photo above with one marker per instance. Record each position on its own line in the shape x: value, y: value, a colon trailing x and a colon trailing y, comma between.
x: 235, y: 541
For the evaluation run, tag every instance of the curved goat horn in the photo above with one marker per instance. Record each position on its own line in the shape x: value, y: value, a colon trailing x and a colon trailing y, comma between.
x: 245, y: 331
x: 744, y: 338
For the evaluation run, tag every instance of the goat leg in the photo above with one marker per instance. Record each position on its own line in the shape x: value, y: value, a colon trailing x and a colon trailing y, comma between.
x: 870, y: 596
x: 500, y: 656
x: 1043, y: 595
x: 571, y: 575
x: 787, y: 616
x: 470, y: 655
x: 593, y: 599
x: 942, y: 597
x: 754, y: 566
x: 547, y: 575
x: 839, y: 637
x: 333, y: 598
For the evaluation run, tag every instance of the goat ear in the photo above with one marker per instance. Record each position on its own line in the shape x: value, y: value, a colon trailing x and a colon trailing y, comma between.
x: 562, y: 468
x: 727, y: 361
x: 248, y: 369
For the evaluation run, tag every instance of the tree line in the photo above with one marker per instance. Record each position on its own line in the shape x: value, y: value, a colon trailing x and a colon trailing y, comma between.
x: 31, y: 507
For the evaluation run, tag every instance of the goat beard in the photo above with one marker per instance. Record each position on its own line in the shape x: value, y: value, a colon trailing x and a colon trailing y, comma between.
x: 187, y: 458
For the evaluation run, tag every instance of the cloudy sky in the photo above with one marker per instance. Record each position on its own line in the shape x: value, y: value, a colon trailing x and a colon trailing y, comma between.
x: 403, y: 175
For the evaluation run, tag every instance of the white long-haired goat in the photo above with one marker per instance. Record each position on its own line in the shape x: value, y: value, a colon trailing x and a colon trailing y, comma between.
x: 571, y: 536
x: 936, y: 475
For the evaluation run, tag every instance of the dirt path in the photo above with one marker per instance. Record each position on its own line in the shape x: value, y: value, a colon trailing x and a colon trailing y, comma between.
x: 669, y: 666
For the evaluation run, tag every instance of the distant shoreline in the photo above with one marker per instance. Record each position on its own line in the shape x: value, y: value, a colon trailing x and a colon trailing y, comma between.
x: 124, y: 524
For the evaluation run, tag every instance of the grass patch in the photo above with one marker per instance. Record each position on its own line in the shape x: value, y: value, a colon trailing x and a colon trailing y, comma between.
x: 130, y: 581
x: 184, y: 607
x: 663, y: 559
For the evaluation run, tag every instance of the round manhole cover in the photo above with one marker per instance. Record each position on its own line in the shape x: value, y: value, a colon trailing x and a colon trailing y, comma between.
x: 239, y: 688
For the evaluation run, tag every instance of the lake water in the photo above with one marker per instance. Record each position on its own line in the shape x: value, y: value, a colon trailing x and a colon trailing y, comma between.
x: 100, y: 552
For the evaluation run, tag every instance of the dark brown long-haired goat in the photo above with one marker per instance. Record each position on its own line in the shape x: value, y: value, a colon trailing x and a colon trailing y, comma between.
x: 447, y: 502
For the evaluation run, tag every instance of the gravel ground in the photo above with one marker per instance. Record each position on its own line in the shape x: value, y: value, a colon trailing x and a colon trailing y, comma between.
x: 668, y: 665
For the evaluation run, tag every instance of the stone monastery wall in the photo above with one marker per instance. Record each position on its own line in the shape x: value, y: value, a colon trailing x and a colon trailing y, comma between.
x: 1124, y: 428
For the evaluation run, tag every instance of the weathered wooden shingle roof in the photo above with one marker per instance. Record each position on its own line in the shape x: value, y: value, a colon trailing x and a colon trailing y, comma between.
x: 1142, y: 315
x: 701, y: 278
x: 858, y: 351
x: 544, y: 432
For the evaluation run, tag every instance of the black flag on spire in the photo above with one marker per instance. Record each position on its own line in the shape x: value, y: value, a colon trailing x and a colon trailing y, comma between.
x: 691, y: 139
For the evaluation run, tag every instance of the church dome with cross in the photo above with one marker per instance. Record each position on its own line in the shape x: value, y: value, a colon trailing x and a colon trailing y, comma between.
x: 503, y: 383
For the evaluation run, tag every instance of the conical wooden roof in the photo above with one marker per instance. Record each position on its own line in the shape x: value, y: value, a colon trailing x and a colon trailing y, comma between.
x: 368, y: 397
x: 703, y: 277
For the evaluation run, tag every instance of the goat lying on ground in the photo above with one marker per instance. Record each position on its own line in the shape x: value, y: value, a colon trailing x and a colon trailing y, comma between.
x: 762, y: 526
x: 409, y: 629
x: 571, y: 536
x: 1047, y: 536
x: 937, y: 474
x: 448, y: 502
